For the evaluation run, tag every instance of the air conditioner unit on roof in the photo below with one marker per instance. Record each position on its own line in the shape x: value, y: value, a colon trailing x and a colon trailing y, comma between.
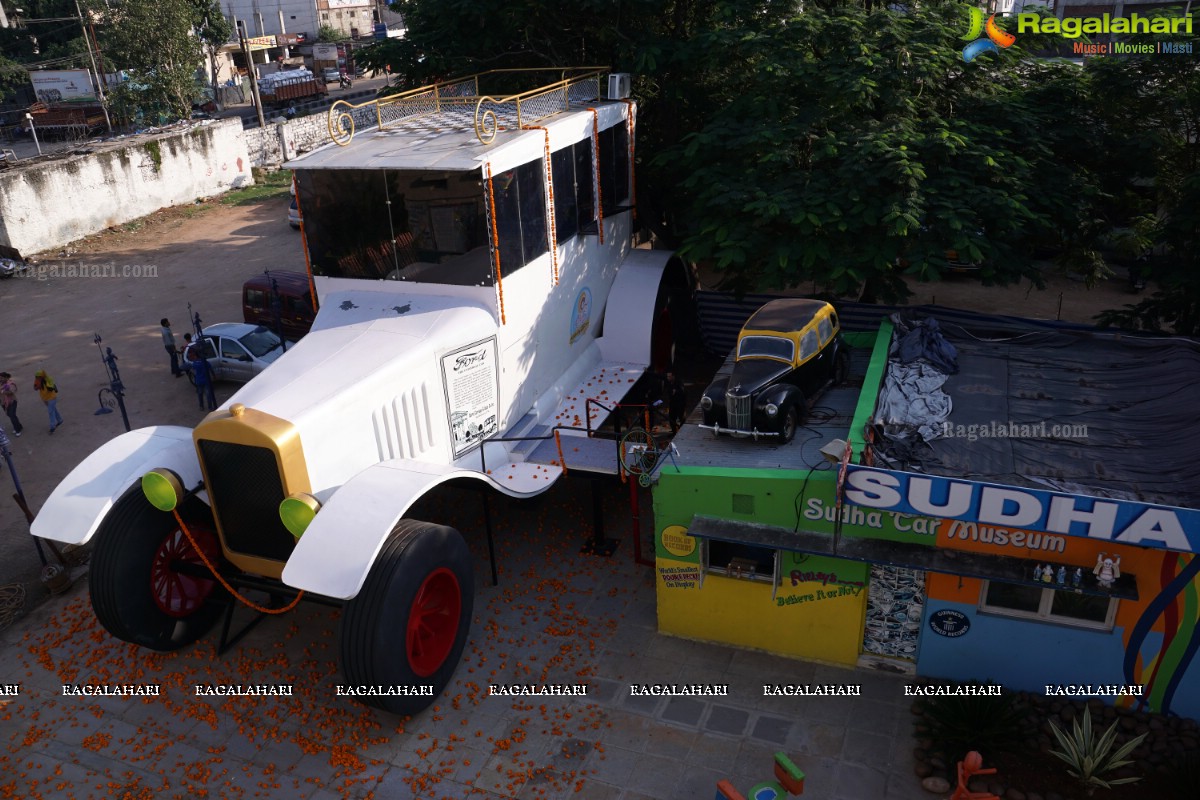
x: 618, y: 86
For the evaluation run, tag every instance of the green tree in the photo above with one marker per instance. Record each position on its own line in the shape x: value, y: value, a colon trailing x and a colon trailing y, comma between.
x: 26, y: 45
x: 156, y: 42
x: 213, y: 30
x: 851, y: 148
x: 12, y: 75
x: 847, y: 145
x: 1157, y: 99
x: 328, y: 33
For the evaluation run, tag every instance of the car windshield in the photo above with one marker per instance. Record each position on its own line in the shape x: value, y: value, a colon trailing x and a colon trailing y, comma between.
x: 260, y: 341
x: 766, y: 347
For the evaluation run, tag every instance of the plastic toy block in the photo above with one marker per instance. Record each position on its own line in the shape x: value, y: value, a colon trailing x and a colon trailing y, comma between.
x: 789, y: 774
x: 725, y: 791
x: 767, y: 790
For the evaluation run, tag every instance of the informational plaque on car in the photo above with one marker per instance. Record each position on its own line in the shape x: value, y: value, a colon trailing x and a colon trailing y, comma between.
x: 472, y: 393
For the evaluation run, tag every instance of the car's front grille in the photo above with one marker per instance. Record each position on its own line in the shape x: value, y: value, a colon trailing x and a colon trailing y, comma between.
x: 245, y: 491
x: 737, y: 411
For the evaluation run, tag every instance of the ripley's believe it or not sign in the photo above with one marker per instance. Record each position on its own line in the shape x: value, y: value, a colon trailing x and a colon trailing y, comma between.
x: 1117, y: 521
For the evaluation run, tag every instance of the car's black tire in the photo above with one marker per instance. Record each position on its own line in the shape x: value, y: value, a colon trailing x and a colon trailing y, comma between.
x: 408, y: 624
x: 791, y: 420
x: 136, y: 594
x: 841, y: 368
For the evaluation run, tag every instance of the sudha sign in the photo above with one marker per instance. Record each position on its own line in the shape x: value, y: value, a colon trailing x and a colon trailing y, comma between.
x: 1120, y: 521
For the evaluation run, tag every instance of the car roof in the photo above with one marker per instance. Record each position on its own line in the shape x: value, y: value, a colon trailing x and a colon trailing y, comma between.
x: 235, y: 329
x: 285, y: 279
x: 786, y: 314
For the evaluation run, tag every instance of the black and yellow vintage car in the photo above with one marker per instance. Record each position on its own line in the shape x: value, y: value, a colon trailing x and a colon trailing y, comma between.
x: 788, y: 353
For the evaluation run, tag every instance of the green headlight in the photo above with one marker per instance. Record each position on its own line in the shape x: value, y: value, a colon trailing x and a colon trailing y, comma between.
x: 297, y: 512
x: 162, y: 488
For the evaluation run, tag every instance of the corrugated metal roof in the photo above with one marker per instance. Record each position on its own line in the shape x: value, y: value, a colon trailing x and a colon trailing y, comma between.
x: 722, y: 316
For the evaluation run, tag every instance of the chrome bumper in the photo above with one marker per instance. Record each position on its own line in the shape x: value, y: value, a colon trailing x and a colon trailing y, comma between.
x: 754, y: 433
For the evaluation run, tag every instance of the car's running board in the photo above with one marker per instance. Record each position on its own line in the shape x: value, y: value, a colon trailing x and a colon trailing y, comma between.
x: 524, y: 478
x: 606, y: 385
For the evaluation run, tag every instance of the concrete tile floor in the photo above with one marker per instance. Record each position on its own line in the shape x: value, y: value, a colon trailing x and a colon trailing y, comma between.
x: 555, y: 613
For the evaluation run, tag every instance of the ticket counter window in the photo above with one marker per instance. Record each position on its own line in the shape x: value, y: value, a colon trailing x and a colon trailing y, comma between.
x: 737, y: 560
x: 1063, y: 607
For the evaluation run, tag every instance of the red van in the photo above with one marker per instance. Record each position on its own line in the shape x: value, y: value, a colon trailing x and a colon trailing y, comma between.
x: 296, y: 307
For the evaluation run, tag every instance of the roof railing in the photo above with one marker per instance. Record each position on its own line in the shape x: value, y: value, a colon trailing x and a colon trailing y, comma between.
x: 492, y: 114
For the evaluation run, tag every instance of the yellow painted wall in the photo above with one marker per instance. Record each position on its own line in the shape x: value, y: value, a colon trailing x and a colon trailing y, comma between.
x: 824, y: 622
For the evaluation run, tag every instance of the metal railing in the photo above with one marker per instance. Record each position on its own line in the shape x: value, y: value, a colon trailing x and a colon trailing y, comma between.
x: 552, y: 433
x: 462, y: 97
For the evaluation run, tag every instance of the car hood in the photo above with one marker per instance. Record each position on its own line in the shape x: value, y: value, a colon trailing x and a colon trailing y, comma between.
x: 362, y: 344
x: 752, y: 374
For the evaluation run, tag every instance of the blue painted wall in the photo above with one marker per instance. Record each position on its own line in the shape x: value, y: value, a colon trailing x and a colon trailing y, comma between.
x: 1018, y: 654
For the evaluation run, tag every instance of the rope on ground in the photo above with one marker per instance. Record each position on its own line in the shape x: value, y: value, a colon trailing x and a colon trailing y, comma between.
x: 12, y: 600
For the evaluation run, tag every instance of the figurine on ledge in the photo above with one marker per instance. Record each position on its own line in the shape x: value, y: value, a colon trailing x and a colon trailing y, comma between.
x: 1107, y: 570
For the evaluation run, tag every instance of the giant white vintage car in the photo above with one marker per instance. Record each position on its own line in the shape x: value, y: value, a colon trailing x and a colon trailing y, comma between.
x: 472, y: 256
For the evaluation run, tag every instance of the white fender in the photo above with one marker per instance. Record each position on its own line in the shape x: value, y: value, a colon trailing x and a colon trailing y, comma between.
x: 76, y: 507
x: 337, y: 550
x: 629, y: 313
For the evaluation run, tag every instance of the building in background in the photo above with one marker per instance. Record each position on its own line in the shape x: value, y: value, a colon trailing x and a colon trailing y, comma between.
x: 281, y: 33
x: 352, y: 18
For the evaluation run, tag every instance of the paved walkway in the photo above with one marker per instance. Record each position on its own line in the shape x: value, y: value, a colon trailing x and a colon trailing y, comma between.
x: 556, y: 617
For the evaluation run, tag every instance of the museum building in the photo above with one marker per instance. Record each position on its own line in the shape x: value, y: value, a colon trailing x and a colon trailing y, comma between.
x: 985, y: 499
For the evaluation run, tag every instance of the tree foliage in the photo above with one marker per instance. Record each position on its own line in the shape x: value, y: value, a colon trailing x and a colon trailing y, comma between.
x: 845, y: 145
x: 1155, y: 100
x: 213, y: 30
x: 57, y: 45
x: 153, y: 41
x: 159, y: 44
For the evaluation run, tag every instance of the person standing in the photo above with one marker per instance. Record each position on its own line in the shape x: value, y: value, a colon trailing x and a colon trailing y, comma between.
x: 8, y: 399
x: 48, y: 390
x: 676, y: 401
x: 202, y: 373
x: 171, y: 346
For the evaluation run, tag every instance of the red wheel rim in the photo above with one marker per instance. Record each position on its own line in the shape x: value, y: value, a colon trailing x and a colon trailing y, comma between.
x: 433, y: 622
x: 177, y: 594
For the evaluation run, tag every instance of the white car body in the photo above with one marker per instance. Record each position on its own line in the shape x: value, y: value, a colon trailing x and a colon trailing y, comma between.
x: 232, y: 356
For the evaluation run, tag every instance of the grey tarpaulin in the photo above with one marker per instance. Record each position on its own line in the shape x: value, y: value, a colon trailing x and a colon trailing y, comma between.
x: 912, y: 408
x: 912, y: 398
x: 1096, y: 413
x: 922, y: 340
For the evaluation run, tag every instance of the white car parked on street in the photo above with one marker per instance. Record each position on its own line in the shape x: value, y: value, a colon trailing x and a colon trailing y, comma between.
x: 236, y: 351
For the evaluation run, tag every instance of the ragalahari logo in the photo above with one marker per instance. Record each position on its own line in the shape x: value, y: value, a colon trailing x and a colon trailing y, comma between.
x: 996, y: 38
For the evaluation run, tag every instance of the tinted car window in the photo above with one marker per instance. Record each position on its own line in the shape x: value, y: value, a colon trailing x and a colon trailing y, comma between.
x: 231, y: 349
x: 256, y: 298
x: 808, y: 344
x: 260, y: 341
x: 206, y: 349
x: 825, y: 328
